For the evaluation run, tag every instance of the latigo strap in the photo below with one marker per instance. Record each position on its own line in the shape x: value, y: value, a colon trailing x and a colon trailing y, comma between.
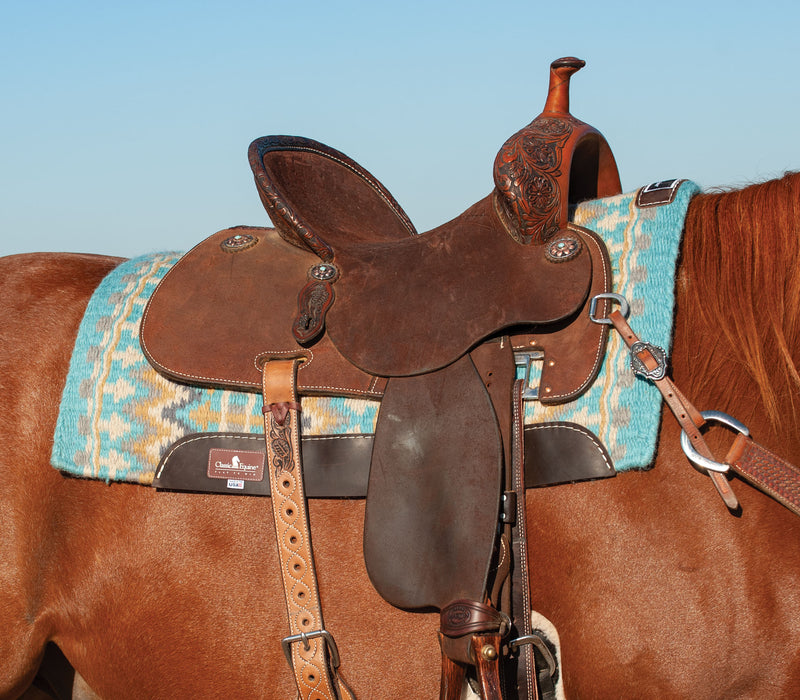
x: 521, y: 605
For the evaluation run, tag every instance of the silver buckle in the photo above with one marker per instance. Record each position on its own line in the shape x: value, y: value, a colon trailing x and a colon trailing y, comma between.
x: 333, y: 650
x: 698, y: 460
x: 659, y: 355
x: 525, y: 359
x: 624, y: 307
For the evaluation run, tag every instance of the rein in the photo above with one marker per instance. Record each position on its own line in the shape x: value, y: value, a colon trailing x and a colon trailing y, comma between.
x: 752, y: 462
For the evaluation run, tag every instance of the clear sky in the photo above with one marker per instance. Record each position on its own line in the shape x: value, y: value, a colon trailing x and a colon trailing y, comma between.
x: 124, y: 126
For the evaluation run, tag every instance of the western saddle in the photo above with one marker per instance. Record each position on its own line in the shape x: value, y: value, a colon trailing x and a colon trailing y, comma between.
x: 431, y: 324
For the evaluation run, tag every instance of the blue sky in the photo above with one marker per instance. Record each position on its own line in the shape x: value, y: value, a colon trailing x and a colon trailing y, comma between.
x: 124, y: 126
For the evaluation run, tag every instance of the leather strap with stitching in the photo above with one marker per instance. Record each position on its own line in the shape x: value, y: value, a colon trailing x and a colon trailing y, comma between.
x: 310, y: 649
x: 521, y: 606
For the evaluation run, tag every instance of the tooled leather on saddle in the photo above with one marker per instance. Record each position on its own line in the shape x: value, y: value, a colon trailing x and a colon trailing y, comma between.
x: 379, y: 301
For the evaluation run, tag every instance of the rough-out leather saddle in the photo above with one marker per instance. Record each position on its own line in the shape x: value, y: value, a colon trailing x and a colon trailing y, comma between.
x: 346, y: 291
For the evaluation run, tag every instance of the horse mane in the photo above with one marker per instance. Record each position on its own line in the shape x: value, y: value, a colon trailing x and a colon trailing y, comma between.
x: 740, y: 275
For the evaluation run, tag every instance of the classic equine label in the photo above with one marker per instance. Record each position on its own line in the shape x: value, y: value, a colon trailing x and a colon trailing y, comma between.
x: 230, y: 464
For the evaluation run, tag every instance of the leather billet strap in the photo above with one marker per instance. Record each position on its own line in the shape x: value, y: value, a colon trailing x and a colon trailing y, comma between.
x: 521, y: 604
x: 309, y: 648
x: 688, y: 416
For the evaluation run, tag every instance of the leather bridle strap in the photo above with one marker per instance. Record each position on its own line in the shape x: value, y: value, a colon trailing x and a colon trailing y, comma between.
x: 309, y: 648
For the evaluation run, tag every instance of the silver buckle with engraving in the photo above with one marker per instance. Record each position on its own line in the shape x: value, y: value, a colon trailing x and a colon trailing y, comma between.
x: 640, y: 368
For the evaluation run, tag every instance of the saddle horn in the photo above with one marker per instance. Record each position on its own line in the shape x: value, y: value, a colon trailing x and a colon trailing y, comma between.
x: 554, y: 162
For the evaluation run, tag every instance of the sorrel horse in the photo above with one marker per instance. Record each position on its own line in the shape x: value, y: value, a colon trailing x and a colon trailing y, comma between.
x: 657, y: 591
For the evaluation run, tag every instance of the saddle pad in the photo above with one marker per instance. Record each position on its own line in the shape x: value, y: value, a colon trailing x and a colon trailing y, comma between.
x: 643, y: 245
x: 118, y: 415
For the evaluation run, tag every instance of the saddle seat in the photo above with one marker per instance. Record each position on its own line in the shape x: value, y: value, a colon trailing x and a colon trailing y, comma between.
x: 414, y: 306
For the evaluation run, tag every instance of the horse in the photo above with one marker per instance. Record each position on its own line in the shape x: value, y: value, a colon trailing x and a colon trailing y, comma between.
x: 656, y: 589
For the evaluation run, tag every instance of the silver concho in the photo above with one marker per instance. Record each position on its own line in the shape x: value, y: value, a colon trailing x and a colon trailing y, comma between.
x: 324, y: 272
x: 638, y: 366
x: 239, y: 242
x: 562, y: 248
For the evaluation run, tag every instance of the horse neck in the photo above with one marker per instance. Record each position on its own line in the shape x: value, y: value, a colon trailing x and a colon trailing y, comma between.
x: 737, y: 335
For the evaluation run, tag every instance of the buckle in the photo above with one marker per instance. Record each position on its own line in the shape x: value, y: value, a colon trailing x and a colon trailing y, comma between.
x: 639, y: 366
x: 542, y: 648
x: 525, y: 359
x: 333, y: 650
x: 704, y: 463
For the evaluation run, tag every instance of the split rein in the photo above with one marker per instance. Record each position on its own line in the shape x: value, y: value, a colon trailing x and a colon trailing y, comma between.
x: 752, y: 462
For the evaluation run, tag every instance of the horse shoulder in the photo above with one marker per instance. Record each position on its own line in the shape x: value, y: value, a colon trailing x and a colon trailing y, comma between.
x: 43, y: 299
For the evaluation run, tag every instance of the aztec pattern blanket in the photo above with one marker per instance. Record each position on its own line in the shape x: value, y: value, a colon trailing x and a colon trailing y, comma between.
x: 118, y: 415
